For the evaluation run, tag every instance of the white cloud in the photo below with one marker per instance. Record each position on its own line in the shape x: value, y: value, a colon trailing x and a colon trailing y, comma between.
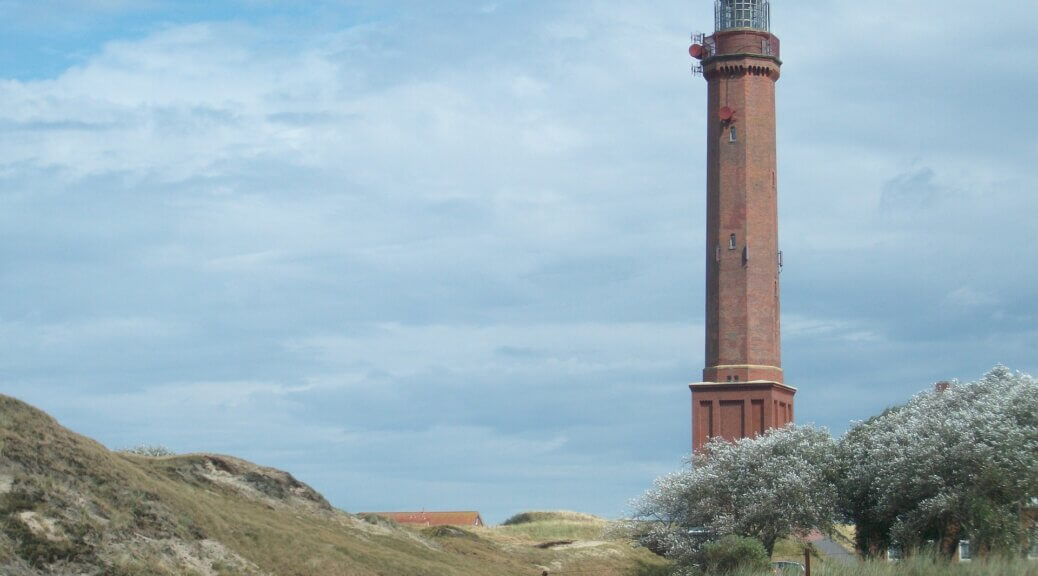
x: 86, y: 332
x: 479, y: 228
x: 967, y: 298
x: 556, y: 349
x: 804, y: 329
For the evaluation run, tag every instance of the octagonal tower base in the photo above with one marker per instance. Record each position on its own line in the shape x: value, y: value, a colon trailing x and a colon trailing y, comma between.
x: 734, y: 410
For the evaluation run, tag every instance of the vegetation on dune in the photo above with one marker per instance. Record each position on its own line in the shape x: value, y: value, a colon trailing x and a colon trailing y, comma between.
x: 70, y: 506
x: 550, y: 516
x: 919, y: 566
x: 923, y: 565
x: 554, y: 526
x: 151, y: 450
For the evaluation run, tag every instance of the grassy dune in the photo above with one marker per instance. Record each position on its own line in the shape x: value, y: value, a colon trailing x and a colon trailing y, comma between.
x: 70, y: 506
x: 554, y: 526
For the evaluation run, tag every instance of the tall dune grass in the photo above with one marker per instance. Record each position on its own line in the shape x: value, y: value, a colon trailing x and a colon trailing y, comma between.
x: 923, y: 566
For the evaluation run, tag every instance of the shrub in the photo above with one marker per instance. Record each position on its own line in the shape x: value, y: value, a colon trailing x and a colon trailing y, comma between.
x: 151, y: 451
x: 449, y: 532
x: 376, y: 520
x: 950, y: 464
x: 733, y: 554
x: 769, y: 487
x: 548, y: 516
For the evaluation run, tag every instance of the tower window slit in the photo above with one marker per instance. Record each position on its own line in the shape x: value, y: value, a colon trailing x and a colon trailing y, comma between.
x: 732, y: 136
x: 731, y: 242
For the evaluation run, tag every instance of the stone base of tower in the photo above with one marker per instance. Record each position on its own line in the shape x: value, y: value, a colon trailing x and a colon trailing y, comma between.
x: 734, y: 410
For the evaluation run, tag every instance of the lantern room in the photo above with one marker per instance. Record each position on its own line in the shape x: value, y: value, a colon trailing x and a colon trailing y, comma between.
x: 754, y: 14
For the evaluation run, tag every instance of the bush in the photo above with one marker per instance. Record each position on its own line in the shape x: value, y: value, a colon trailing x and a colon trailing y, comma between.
x: 156, y: 451
x: 768, y: 487
x: 548, y: 516
x: 376, y: 520
x: 449, y: 532
x: 733, y: 554
x: 950, y: 464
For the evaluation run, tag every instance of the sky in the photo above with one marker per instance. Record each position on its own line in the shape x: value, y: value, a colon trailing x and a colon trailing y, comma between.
x: 450, y: 255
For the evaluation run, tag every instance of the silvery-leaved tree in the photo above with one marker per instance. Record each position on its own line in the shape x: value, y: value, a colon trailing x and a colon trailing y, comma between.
x: 948, y: 465
x: 767, y: 488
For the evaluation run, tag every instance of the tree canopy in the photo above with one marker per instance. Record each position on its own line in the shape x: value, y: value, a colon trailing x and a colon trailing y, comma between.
x: 767, y: 488
x: 958, y: 462
x: 949, y: 464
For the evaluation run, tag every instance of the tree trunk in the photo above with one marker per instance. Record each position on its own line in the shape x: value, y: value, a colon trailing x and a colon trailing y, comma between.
x: 950, y: 539
x: 769, y: 545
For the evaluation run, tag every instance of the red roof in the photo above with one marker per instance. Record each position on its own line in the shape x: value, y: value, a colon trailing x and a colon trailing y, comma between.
x: 434, y: 518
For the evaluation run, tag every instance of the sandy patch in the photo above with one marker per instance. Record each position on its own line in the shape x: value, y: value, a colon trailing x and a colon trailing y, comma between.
x: 40, y: 526
x: 204, y: 558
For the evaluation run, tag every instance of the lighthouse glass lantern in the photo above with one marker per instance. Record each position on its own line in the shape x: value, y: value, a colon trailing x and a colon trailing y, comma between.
x: 730, y: 14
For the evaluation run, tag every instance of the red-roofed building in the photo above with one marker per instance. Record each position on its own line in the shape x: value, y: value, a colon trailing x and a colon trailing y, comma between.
x: 471, y: 519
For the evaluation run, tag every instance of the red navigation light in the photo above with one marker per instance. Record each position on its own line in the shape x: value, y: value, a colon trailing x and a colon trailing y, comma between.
x: 726, y: 114
x: 697, y: 51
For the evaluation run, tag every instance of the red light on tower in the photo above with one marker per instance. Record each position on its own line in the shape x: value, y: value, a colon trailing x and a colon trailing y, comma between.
x: 697, y: 51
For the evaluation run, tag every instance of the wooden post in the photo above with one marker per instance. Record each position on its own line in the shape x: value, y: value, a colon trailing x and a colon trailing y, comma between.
x: 807, y: 561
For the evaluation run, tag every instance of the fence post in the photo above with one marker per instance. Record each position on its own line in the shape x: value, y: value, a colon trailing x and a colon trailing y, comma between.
x: 807, y: 561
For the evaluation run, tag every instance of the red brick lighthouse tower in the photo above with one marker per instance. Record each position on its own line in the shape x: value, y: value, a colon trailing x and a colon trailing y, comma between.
x: 742, y: 393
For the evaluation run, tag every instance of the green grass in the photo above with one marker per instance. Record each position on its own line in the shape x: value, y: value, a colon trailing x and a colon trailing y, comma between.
x: 922, y: 567
x: 544, y: 526
x: 550, y: 516
x: 788, y: 549
x: 930, y: 567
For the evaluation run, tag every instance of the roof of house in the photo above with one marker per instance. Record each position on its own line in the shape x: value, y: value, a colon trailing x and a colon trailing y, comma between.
x: 434, y: 518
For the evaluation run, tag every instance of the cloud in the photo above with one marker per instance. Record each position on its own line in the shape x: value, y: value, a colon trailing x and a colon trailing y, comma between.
x: 420, y: 250
x: 967, y: 298
x: 909, y: 195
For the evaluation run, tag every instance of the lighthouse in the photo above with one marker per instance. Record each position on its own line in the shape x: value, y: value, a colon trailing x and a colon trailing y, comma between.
x: 743, y: 392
